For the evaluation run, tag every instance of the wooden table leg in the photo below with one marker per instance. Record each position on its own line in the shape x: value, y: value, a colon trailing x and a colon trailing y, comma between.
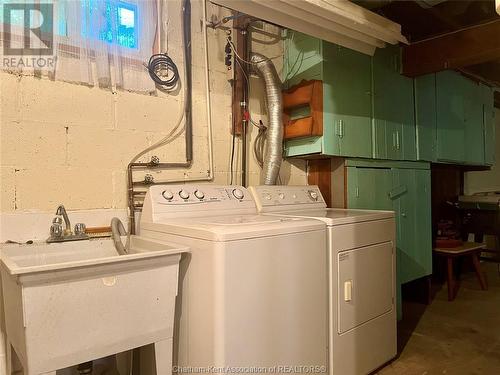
x: 451, y: 279
x: 479, y: 273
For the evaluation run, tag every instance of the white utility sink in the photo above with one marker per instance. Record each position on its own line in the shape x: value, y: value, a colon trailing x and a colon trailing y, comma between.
x: 71, y: 302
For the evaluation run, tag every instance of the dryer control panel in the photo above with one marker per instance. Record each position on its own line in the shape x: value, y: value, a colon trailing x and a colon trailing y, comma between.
x: 269, y: 198
x: 196, y: 200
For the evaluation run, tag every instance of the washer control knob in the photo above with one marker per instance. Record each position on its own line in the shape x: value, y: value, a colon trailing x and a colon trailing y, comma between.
x: 281, y: 195
x: 313, y: 195
x: 199, y: 194
x: 167, y: 194
x: 268, y: 196
x: 238, y: 194
x: 184, y: 194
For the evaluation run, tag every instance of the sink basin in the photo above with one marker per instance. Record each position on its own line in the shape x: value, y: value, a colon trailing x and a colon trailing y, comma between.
x: 38, y: 257
x: 68, y: 303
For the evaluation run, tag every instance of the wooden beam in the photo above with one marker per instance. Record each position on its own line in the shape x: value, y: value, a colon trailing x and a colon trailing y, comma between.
x: 240, y: 86
x: 320, y: 174
x: 470, y: 46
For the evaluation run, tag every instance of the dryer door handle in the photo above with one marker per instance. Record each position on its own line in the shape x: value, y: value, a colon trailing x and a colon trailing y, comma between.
x: 348, y: 291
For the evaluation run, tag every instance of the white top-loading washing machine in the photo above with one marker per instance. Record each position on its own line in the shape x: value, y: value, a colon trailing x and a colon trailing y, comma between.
x: 253, y: 290
x: 362, y: 273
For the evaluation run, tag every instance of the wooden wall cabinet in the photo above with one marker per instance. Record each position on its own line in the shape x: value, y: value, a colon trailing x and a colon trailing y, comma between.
x: 393, y: 107
x: 454, y: 120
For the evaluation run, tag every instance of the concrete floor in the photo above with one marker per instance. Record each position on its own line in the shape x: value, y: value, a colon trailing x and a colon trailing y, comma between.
x: 459, y: 337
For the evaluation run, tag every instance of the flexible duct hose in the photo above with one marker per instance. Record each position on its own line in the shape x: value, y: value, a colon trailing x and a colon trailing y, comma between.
x: 274, y: 146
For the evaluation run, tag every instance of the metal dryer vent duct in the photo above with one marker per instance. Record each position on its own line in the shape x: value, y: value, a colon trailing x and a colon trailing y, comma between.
x: 273, y: 154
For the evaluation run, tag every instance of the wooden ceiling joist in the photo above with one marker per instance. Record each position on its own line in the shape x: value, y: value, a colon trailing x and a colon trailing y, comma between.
x: 462, y: 48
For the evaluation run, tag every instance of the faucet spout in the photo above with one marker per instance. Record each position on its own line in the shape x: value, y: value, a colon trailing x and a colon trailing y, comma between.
x: 62, y: 211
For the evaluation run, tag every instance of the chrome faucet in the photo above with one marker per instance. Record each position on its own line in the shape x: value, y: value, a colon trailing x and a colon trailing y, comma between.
x: 61, y: 211
x: 58, y: 234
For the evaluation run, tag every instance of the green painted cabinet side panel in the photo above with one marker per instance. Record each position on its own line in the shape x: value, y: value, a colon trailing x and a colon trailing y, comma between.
x: 393, y: 107
x: 489, y: 125
x: 302, y: 59
x: 450, y: 117
x: 474, y: 123
x: 347, y: 97
x: 426, y: 117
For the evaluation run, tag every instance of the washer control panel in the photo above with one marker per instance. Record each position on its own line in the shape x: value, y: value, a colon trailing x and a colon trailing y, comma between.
x: 172, y: 200
x: 280, y: 198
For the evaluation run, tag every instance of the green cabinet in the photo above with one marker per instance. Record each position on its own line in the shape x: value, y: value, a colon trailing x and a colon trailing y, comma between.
x: 426, y: 117
x: 393, y: 107
x: 450, y: 106
x: 454, y: 119
x: 489, y: 124
x: 347, y: 102
x: 405, y: 188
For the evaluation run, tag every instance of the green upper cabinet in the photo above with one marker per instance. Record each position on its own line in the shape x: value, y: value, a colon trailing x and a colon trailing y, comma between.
x: 426, y: 117
x: 489, y: 124
x: 474, y: 123
x: 347, y: 103
x: 454, y: 119
x: 450, y: 105
x: 393, y: 107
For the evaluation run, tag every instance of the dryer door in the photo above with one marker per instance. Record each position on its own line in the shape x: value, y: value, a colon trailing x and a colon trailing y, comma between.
x: 366, y: 284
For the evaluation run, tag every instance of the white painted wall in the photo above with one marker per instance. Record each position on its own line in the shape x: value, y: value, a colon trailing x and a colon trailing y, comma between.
x: 70, y: 144
x: 486, y: 180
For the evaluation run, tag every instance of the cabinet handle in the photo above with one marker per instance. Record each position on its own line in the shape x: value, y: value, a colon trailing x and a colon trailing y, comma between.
x: 340, y: 130
x: 397, y: 140
x: 403, y: 215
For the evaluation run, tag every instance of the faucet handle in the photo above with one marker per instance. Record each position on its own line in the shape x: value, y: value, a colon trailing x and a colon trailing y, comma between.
x: 56, y: 230
x: 57, y: 220
x: 80, y: 228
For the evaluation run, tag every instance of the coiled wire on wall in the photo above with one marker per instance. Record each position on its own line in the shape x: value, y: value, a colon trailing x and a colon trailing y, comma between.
x: 162, y: 63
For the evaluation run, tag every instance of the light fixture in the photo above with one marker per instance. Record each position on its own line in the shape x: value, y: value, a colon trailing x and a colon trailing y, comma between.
x: 337, y: 21
x: 497, y: 6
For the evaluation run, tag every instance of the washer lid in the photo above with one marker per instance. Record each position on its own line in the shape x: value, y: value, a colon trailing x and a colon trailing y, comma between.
x: 234, y: 227
x: 338, y: 216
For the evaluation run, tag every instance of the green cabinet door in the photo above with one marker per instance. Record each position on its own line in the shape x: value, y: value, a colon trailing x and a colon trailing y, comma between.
x: 411, y: 197
x: 474, y: 123
x: 489, y: 125
x: 347, y: 102
x: 368, y: 188
x: 426, y: 117
x: 450, y: 117
x: 393, y: 107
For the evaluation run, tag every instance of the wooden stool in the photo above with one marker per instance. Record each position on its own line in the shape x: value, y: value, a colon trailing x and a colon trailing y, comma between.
x: 472, y: 249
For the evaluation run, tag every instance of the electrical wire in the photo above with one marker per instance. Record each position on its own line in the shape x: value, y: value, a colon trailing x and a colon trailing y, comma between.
x: 178, y: 129
x: 161, y: 65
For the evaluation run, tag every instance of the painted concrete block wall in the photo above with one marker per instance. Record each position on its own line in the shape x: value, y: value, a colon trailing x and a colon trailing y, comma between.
x: 70, y: 144
x: 486, y: 180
